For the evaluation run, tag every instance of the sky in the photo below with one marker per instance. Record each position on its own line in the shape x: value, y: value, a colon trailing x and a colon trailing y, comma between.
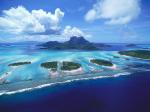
x: 103, y: 21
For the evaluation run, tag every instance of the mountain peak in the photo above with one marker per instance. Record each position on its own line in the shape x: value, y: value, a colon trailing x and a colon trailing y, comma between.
x: 75, y: 43
x: 78, y: 40
x: 77, y: 37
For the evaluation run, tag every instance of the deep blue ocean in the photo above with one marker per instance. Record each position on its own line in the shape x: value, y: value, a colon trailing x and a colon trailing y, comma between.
x: 122, y: 94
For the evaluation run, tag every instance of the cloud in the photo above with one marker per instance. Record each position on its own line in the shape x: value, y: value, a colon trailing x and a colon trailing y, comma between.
x: 63, y: 35
x: 20, y: 21
x: 114, y: 11
x: 73, y: 31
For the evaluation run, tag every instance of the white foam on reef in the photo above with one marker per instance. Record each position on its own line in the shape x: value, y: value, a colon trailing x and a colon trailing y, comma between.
x: 14, y: 67
x: 53, y: 74
x: 114, y: 67
x: 6, y: 92
x: 93, y: 69
x: 120, y: 74
x: 76, y: 71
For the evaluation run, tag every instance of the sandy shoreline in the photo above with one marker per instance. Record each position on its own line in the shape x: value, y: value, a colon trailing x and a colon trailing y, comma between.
x: 114, y: 67
x: 76, y: 71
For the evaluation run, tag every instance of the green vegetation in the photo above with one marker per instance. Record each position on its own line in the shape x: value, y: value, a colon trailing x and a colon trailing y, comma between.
x: 144, y: 54
x: 50, y: 65
x: 66, y: 65
x: 101, y: 62
x: 75, y: 43
x: 19, y: 63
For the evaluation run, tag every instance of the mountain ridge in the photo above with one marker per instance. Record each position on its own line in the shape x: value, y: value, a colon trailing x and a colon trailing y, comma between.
x: 75, y: 43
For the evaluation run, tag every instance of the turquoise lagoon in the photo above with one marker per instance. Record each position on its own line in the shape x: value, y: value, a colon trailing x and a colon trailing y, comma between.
x: 33, y: 76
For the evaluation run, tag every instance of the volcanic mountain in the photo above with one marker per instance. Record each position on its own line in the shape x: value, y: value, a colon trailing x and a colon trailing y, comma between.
x: 75, y: 43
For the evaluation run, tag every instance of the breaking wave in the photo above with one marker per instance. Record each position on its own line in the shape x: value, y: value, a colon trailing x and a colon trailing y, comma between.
x: 7, y: 92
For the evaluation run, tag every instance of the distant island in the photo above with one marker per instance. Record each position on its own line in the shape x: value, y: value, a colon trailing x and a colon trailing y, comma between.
x: 19, y: 63
x: 101, y: 62
x: 143, y: 54
x: 55, y: 67
x: 68, y: 65
x: 50, y: 65
x: 131, y: 45
x: 65, y: 65
x: 75, y: 43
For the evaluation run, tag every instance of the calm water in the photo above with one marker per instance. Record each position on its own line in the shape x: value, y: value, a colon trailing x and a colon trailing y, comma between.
x: 80, y: 93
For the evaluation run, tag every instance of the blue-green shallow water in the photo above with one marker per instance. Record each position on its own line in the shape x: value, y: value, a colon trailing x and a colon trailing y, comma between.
x: 27, y: 77
x: 121, y: 94
x: 31, y: 88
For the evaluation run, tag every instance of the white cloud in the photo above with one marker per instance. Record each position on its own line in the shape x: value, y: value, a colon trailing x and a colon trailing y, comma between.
x: 64, y: 35
x: 114, y: 11
x: 73, y: 31
x: 19, y: 20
